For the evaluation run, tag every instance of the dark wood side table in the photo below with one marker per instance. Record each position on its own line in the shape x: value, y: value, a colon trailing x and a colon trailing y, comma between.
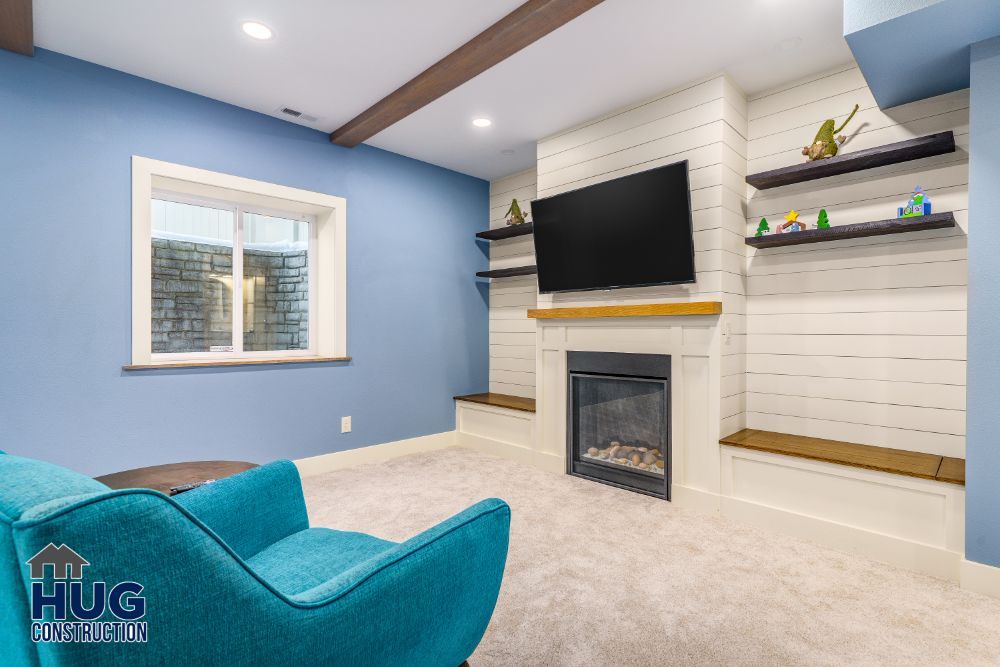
x: 163, y: 477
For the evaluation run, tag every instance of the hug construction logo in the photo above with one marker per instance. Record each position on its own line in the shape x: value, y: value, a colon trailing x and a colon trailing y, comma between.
x: 73, y: 618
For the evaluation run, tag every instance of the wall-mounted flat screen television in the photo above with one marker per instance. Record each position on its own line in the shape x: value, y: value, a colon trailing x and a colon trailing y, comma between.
x: 628, y: 232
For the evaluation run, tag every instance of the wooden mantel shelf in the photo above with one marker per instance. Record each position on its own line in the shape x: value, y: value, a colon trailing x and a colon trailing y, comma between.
x: 884, y: 459
x: 639, y: 310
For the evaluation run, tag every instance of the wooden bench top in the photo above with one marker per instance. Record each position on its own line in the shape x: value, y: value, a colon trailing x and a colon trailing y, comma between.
x: 884, y: 459
x: 500, y: 401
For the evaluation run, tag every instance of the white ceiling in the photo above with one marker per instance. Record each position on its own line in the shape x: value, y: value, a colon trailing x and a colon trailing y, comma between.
x: 334, y: 58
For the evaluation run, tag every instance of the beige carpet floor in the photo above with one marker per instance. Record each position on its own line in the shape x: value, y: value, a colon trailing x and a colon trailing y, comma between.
x: 600, y: 576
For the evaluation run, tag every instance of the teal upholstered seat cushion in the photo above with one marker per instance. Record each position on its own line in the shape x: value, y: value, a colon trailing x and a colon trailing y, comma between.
x: 311, y: 557
x: 27, y: 482
x: 251, y: 510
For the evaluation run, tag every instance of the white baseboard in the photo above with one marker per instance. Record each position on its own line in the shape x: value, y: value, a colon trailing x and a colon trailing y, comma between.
x: 503, y: 432
x: 695, y: 499
x: 980, y: 578
x: 928, y: 559
x: 316, y: 465
x: 507, y: 450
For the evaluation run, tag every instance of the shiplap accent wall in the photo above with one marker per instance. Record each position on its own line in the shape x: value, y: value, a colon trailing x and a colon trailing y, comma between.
x: 704, y: 122
x: 512, y: 334
x: 860, y: 340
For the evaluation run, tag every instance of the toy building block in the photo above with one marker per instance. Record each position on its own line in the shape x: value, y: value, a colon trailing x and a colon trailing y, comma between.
x: 919, y: 204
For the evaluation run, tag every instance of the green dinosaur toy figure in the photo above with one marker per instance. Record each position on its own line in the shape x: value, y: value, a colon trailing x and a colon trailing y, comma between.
x: 827, y: 143
x: 514, y: 215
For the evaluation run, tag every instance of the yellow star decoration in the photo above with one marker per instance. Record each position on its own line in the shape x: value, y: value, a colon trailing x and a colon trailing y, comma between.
x: 793, y: 216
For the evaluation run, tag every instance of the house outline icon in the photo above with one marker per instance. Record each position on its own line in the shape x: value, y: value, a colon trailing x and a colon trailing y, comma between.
x: 61, y: 558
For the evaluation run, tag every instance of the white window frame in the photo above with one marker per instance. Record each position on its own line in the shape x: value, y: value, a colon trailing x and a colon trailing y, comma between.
x: 326, y: 257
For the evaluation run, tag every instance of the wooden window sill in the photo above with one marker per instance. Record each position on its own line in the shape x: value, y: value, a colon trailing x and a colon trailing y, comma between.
x: 232, y: 362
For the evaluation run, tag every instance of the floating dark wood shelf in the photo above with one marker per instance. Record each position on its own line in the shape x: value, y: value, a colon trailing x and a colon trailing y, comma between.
x: 501, y: 401
x: 861, y: 229
x: 896, y: 461
x: 509, y: 273
x: 845, y: 163
x: 507, y: 232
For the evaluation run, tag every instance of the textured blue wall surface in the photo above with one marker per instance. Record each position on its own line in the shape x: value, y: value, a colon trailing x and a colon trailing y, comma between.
x: 861, y: 14
x: 918, y: 49
x: 417, y: 320
x: 982, y: 504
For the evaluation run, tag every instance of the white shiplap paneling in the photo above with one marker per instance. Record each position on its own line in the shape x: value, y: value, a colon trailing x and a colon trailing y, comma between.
x: 512, y: 334
x: 704, y: 123
x: 860, y: 340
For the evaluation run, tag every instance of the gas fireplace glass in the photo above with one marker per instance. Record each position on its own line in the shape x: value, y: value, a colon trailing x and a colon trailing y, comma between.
x: 619, y: 420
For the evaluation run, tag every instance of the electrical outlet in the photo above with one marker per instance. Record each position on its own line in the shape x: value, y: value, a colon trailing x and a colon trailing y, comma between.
x: 345, y: 424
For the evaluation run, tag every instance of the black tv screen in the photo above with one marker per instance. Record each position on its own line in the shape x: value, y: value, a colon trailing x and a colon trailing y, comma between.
x: 628, y: 232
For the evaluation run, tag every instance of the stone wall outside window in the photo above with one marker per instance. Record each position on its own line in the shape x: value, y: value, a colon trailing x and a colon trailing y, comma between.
x: 191, y: 297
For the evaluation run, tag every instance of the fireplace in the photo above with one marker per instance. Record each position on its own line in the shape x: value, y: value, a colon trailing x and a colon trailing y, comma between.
x: 618, y: 429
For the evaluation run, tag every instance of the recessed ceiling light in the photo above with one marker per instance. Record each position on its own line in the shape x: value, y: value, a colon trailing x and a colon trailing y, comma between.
x: 257, y: 30
x: 482, y: 122
x: 507, y: 152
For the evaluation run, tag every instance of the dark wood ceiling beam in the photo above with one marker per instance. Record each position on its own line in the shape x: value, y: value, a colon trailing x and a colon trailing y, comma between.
x: 16, y: 32
x: 523, y: 26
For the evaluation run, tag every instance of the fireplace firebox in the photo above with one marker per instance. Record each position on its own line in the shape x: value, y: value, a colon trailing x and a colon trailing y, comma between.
x: 618, y: 429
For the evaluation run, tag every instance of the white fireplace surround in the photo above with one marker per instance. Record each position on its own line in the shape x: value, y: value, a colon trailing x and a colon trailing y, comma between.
x: 693, y: 345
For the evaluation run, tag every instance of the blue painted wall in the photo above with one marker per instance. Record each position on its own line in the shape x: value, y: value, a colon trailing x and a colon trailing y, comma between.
x: 861, y: 14
x: 417, y: 320
x: 982, y: 512
x: 914, y: 49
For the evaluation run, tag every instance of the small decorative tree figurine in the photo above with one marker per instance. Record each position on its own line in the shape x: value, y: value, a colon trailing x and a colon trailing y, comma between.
x: 824, y: 220
x: 763, y: 228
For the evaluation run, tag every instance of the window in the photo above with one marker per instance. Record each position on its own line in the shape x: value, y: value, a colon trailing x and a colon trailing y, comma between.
x: 229, y: 270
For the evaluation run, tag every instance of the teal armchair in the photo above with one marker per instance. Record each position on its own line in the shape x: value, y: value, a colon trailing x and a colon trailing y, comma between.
x: 232, y: 574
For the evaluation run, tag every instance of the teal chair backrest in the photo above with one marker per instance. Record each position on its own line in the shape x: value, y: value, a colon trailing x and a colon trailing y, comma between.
x: 25, y: 483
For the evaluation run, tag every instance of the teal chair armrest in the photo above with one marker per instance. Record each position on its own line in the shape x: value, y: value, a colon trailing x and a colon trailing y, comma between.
x: 252, y: 510
x: 427, y: 601
x: 486, y: 522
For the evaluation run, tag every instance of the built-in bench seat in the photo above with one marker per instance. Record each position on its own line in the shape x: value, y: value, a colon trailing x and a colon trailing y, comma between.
x: 500, y: 401
x: 897, y: 461
x: 502, y: 425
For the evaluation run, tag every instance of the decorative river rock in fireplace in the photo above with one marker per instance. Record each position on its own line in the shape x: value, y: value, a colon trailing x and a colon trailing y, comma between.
x: 629, y: 455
